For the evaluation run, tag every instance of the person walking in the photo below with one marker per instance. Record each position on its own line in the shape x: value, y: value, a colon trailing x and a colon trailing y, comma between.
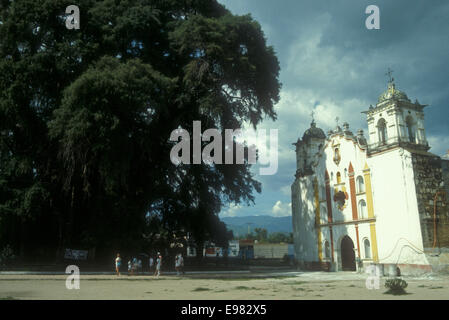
x: 158, y: 264
x: 118, y: 263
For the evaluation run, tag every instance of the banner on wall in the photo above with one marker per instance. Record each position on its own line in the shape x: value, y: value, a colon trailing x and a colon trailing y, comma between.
x: 73, y: 254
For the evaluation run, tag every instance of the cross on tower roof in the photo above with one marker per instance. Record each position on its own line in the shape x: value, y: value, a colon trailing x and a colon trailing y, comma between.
x: 312, y: 114
x: 312, y: 124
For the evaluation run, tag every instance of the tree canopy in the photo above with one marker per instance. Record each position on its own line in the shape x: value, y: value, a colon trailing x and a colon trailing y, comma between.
x: 262, y: 236
x: 86, y: 116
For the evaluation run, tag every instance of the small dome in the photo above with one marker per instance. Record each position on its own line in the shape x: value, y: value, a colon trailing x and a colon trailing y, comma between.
x: 393, y: 93
x: 313, y: 132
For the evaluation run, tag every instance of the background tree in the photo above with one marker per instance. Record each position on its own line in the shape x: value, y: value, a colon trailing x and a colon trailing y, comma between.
x: 86, y: 116
x: 277, y: 237
x: 261, y: 234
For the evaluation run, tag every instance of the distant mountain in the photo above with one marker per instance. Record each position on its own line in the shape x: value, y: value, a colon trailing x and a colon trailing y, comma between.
x: 239, y: 225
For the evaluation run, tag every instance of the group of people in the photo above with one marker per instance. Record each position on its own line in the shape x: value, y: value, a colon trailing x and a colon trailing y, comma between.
x: 135, y: 265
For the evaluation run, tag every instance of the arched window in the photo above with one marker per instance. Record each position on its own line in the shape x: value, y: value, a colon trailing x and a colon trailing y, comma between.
x: 367, y: 246
x: 410, y: 128
x: 360, y: 184
x: 327, y: 250
x: 362, y: 209
x: 382, y: 129
x: 338, y: 177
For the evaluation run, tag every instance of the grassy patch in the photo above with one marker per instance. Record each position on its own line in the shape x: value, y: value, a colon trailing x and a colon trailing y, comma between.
x: 422, y: 286
x: 8, y: 298
x: 244, y: 288
x: 351, y: 286
x: 436, y: 288
x: 201, y: 289
x: 299, y: 289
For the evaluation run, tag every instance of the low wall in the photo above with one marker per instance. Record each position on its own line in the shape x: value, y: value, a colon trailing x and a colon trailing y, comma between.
x: 270, y: 251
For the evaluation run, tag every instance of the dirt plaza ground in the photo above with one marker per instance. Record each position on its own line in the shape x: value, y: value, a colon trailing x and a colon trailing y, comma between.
x: 217, y: 286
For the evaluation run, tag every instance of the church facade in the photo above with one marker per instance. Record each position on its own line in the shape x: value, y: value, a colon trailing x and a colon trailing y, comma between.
x: 381, y: 200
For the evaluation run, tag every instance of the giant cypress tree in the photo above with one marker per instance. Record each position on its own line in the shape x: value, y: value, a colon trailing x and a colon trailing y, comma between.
x: 86, y: 116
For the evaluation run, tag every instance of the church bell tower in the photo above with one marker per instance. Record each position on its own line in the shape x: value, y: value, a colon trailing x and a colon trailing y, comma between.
x: 396, y: 121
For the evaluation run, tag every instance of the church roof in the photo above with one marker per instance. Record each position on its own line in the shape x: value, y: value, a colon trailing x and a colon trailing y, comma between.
x: 393, y: 93
x: 313, y: 132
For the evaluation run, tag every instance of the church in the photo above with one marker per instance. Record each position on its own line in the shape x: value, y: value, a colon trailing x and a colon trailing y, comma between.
x: 380, y: 199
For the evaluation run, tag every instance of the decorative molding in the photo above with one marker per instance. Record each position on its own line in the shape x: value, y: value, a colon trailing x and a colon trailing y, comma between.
x: 337, y: 223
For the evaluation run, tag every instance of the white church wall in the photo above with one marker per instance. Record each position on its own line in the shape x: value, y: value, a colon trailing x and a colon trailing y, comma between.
x: 395, y: 208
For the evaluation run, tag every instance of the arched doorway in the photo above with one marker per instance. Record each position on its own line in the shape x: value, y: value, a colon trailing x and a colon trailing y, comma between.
x: 347, y: 254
